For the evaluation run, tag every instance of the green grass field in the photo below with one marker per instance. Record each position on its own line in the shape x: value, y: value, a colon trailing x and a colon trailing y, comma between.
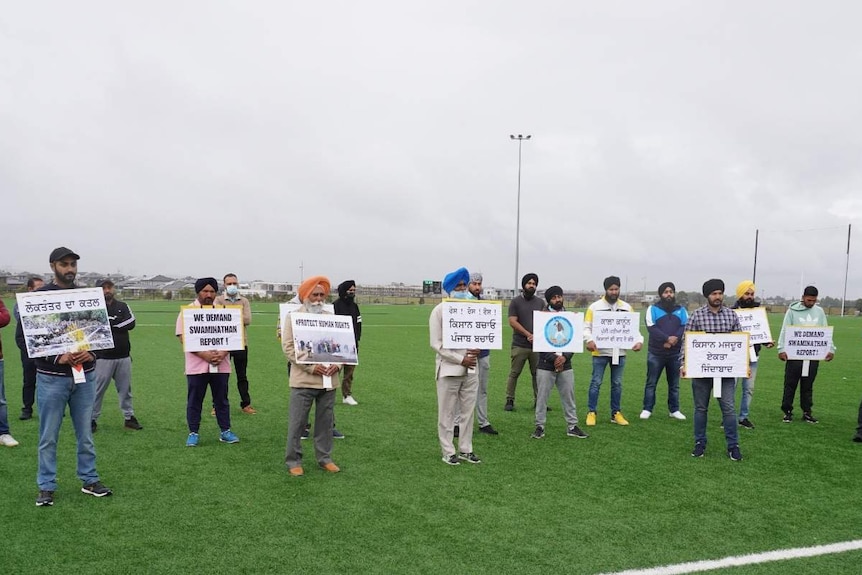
x: 627, y: 497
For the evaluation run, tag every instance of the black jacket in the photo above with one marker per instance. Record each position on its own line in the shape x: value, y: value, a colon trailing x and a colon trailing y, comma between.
x: 122, y: 322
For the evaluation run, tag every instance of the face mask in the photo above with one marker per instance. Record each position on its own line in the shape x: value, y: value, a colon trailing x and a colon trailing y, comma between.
x: 462, y: 295
x: 232, y: 290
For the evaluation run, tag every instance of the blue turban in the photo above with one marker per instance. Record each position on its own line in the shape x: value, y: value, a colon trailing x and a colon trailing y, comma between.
x: 451, y: 281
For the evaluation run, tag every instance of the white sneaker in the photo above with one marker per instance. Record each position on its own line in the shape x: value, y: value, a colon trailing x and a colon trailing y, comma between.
x: 349, y: 400
x: 7, y: 440
x: 645, y: 414
x: 677, y: 415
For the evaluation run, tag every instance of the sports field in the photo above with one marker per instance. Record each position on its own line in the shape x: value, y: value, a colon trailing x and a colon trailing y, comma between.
x: 625, y: 498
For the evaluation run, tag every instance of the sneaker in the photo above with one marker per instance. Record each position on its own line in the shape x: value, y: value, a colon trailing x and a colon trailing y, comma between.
x: 858, y: 437
x: 349, y: 400
x: 330, y: 467
x: 510, y: 405
x: 457, y: 431
x: 699, y: 449
x: 26, y: 414
x: 539, y: 433
x: 305, y: 432
x: 45, y: 499
x: 249, y: 410
x: 192, y: 440
x: 677, y: 415
x: 808, y: 418
x: 645, y: 414
x: 591, y: 419
x: 7, y: 440
x: 451, y: 460
x: 132, y: 423
x: 337, y: 434
x: 93, y: 426
x: 96, y: 490
x: 469, y: 457
x: 734, y: 454
x: 228, y: 436
x: 788, y: 417
x: 575, y: 431
x: 619, y: 419
x: 746, y: 424
x: 488, y: 429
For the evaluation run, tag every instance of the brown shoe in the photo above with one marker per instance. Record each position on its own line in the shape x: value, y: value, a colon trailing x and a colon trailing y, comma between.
x: 296, y: 471
x: 249, y: 410
x: 330, y: 467
x: 213, y: 412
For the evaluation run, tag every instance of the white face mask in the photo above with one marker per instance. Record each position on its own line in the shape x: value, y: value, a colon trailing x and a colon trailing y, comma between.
x: 231, y: 290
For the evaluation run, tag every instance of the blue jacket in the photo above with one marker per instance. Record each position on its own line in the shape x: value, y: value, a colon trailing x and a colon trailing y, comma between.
x: 661, y: 325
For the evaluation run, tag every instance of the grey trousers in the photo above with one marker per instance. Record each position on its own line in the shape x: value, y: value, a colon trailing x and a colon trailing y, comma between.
x: 121, y: 372
x: 483, y: 366
x: 301, y: 399
x: 564, y: 381
x: 451, y: 392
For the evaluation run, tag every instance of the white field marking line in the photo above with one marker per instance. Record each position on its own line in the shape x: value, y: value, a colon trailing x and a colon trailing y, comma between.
x: 739, y: 560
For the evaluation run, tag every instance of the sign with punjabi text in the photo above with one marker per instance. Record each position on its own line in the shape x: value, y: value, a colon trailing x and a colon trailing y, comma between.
x: 472, y: 324
x: 716, y: 355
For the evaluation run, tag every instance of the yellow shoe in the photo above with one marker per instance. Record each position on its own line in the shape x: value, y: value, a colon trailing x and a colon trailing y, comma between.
x: 591, y: 419
x: 619, y: 419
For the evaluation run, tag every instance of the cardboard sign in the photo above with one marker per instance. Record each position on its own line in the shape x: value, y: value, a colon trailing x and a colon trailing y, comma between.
x: 323, y: 338
x: 207, y: 328
x: 811, y: 343
x: 472, y: 324
x: 558, y: 331
x: 716, y: 355
x: 754, y: 321
x: 616, y: 329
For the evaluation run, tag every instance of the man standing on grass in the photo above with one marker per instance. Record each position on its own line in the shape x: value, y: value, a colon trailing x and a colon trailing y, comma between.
x: 116, y: 363
x: 745, y: 300
x: 555, y: 370
x: 310, y: 383
x: 521, y: 310
x: 231, y: 296
x: 457, y: 381
x: 603, y: 357
x: 346, y: 305
x: 805, y: 313
x: 28, y: 366
x: 483, y: 367
x: 56, y: 389
x: 665, y: 321
x: 204, y: 369
x: 714, y: 317
x: 6, y: 439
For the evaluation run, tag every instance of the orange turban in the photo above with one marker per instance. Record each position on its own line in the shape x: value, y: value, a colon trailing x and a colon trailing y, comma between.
x: 308, y: 286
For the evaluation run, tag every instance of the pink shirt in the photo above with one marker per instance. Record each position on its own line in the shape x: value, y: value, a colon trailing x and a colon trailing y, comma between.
x: 194, y: 364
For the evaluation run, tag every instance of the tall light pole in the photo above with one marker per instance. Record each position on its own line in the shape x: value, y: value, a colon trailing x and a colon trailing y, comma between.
x: 520, y: 139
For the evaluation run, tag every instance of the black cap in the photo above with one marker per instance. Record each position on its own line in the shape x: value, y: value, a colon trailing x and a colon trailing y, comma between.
x: 61, y: 253
x: 105, y: 282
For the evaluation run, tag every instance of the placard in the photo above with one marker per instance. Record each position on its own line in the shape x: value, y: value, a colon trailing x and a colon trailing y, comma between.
x: 323, y: 338
x: 207, y: 328
x: 472, y: 324
x: 64, y: 321
x: 616, y: 329
x: 716, y: 355
x: 754, y: 321
x: 558, y: 331
x: 812, y: 343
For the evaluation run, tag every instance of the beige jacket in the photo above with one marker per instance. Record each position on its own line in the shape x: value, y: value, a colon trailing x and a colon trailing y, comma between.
x: 448, y: 361
x: 301, y: 374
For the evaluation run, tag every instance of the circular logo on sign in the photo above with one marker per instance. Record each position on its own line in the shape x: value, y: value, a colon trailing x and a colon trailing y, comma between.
x: 558, y: 331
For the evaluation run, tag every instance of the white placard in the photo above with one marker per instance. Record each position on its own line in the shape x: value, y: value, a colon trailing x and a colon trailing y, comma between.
x: 323, y: 338
x: 472, y: 324
x: 64, y: 321
x: 616, y: 329
x: 207, y: 328
x: 807, y: 342
x: 716, y: 355
x: 286, y: 308
x: 754, y: 321
x: 558, y: 331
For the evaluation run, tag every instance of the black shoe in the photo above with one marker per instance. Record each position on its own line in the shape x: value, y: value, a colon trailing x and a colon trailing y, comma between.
x: 489, y: 429
x: 734, y: 454
x: 26, y: 414
x: 808, y: 418
x: 858, y: 437
x: 788, y: 417
x: 699, y: 449
x: 96, y: 490
x: 132, y: 423
x: 746, y: 424
x: 45, y: 499
x: 457, y: 431
x: 575, y: 431
x: 510, y: 405
x: 93, y: 426
x: 539, y: 433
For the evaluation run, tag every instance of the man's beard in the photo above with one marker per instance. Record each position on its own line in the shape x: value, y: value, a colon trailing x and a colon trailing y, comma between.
x: 667, y: 303
x: 744, y: 302
x: 529, y: 292
x: 315, y: 307
x: 611, y: 298
x: 556, y: 307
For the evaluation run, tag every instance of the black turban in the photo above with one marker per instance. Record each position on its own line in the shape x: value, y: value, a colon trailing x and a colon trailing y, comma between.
x: 664, y: 286
x: 712, y: 285
x: 344, y: 286
x: 552, y: 291
x: 203, y: 282
x: 529, y: 277
x: 612, y: 281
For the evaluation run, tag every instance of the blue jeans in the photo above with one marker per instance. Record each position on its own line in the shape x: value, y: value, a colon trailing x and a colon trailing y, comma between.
x: 747, y: 391
x: 702, y: 391
x: 599, y: 364
x: 53, y: 394
x: 655, y: 365
x: 4, y: 411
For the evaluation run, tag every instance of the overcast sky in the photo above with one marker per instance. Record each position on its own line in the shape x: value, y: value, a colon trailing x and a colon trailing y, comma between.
x: 370, y: 140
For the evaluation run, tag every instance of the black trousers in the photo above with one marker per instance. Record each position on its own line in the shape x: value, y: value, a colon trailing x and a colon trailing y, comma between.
x: 198, y: 383
x: 240, y: 365
x: 792, y: 379
x: 28, y: 393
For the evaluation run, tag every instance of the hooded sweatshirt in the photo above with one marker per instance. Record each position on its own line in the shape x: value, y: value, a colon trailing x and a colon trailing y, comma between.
x: 799, y: 315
